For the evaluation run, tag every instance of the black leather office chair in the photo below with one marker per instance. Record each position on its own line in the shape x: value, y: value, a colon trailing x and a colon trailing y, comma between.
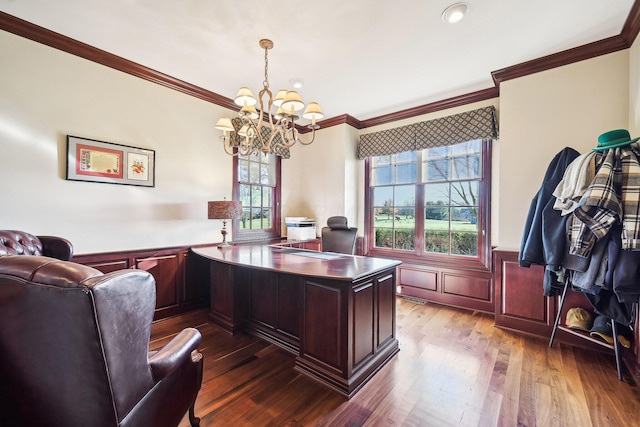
x: 338, y: 237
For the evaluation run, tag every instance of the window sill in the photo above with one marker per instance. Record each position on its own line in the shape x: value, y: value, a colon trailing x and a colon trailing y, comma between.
x: 457, y: 263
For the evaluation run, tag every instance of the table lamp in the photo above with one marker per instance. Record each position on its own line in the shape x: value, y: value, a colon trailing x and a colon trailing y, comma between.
x: 225, y: 210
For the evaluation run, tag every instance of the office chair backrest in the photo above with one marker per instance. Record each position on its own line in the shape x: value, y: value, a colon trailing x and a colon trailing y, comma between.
x: 338, y: 237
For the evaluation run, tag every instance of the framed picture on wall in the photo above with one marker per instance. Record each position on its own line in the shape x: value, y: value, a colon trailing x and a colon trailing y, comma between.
x: 99, y: 161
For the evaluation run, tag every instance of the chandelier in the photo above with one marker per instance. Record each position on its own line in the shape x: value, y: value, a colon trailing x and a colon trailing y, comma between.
x: 282, y: 112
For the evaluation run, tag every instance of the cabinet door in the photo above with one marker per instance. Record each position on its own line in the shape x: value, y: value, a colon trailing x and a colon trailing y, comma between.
x: 290, y: 305
x: 520, y: 300
x: 196, y: 279
x: 276, y: 304
x: 221, y: 303
x: 263, y: 306
x: 167, y: 271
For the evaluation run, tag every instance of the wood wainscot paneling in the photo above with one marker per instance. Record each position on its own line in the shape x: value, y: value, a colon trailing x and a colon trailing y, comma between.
x: 471, y: 289
x: 521, y: 306
x: 520, y: 301
x: 182, y: 278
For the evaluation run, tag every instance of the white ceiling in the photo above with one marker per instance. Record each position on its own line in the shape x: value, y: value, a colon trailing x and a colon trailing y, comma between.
x: 365, y: 58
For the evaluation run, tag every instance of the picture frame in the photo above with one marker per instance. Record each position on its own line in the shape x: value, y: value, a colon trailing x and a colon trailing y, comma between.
x: 98, y: 161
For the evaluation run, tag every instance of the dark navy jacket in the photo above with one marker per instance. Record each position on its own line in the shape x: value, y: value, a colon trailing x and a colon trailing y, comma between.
x: 544, y: 237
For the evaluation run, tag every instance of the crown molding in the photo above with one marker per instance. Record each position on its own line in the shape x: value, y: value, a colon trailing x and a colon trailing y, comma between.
x: 566, y: 57
x: 58, y: 41
x: 631, y: 26
x: 55, y: 40
x: 469, y: 98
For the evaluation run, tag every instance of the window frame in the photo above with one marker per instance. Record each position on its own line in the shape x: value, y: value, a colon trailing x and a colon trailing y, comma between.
x: 418, y: 255
x: 274, y: 233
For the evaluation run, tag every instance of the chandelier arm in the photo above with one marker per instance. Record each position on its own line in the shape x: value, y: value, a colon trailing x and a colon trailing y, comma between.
x: 256, y: 135
x: 270, y: 146
x: 244, y: 149
x: 287, y: 130
x: 227, y: 145
x: 313, y: 136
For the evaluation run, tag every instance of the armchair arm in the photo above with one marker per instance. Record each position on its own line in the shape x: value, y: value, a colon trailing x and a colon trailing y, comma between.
x: 56, y: 247
x: 175, y: 353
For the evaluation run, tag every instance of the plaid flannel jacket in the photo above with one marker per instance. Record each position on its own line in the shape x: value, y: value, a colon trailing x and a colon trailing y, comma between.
x: 614, y: 195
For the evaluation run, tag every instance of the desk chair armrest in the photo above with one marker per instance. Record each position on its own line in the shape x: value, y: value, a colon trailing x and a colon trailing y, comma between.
x: 181, y: 348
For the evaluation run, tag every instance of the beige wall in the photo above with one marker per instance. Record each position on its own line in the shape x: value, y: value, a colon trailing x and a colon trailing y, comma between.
x: 541, y: 114
x: 46, y: 94
x: 321, y: 180
x: 634, y: 89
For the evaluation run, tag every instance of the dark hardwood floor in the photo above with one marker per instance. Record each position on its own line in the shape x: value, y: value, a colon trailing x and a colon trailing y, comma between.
x: 454, y: 369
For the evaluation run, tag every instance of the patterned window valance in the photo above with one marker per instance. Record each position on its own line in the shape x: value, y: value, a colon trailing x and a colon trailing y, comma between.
x: 449, y: 130
x: 265, y: 131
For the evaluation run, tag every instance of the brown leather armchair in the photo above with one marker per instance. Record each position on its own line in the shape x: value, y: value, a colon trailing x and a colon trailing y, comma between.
x: 16, y: 242
x: 74, y: 349
x: 338, y: 237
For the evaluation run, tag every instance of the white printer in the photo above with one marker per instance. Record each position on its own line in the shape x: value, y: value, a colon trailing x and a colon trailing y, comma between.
x: 300, y: 228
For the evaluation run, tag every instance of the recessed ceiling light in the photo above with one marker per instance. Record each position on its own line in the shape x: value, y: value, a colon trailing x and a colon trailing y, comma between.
x: 455, y: 13
x: 297, y: 83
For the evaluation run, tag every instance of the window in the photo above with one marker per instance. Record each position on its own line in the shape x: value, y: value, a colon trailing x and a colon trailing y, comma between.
x: 257, y: 185
x: 431, y: 203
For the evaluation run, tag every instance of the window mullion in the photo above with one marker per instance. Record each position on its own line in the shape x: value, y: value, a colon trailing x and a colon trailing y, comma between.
x: 419, y: 218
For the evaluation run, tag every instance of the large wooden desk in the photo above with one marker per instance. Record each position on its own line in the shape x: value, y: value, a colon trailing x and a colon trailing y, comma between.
x: 335, y: 312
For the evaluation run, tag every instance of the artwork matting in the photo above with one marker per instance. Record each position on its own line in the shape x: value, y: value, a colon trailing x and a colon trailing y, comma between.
x: 98, y: 161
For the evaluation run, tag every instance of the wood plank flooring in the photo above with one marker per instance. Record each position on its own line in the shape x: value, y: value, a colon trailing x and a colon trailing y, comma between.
x: 454, y: 369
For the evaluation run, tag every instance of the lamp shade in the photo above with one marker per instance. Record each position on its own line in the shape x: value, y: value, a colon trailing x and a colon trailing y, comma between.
x: 313, y: 112
x: 245, y: 97
x: 225, y: 209
x: 250, y: 111
x: 279, y: 99
x: 292, y: 101
x: 244, y: 131
x: 224, y: 124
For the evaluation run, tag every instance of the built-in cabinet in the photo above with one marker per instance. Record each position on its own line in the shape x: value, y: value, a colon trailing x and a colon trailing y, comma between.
x: 181, y: 277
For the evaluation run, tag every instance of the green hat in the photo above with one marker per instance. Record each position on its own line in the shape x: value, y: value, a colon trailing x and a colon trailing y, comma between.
x: 613, y: 139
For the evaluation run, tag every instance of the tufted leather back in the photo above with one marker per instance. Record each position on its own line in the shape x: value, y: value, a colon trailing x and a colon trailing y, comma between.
x: 14, y: 242
x: 338, y: 236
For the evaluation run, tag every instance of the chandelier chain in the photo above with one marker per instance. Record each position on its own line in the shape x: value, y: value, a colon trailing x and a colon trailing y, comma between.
x: 265, y: 83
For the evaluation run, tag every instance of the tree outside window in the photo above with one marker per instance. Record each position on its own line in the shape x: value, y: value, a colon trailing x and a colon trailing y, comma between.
x: 428, y: 202
x: 256, y: 185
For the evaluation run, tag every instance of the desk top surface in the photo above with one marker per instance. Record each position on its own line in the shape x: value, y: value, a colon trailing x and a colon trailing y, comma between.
x: 298, y: 261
